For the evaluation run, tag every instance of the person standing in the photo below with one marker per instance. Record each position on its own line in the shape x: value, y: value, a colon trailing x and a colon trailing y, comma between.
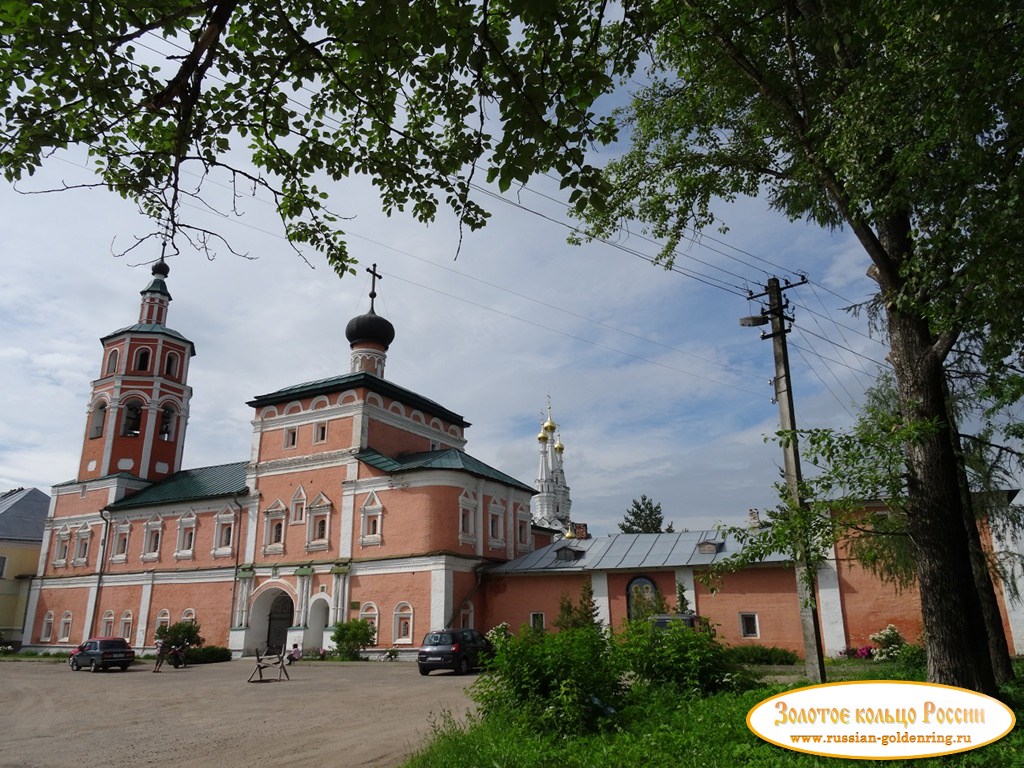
x: 161, y: 654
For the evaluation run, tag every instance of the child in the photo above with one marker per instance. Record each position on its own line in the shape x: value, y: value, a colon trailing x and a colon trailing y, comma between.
x: 294, y: 654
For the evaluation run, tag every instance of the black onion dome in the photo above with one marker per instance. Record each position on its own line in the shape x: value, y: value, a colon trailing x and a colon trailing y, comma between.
x: 160, y: 269
x: 370, y: 328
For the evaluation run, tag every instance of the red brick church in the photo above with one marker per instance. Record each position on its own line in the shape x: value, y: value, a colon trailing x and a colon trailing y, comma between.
x: 359, y: 500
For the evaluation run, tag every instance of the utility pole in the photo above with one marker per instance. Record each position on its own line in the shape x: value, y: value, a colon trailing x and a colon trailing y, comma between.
x: 806, y: 578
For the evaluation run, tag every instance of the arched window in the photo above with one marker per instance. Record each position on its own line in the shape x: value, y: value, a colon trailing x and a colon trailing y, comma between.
x: 142, y: 359
x: 107, y: 624
x: 188, y: 615
x: 320, y: 530
x: 46, y: 632
x: 163, y: 619
x: 368, y: 612
x: 132, y: 418
x: 65, y: 628
x: 277, y: 532
x: 167, y: 415
x: 112, y: 360
x: 98, y: 419
x: 403, y: 624
x: 171, y: 364
x: 466, y: 616
x: 126, y: 625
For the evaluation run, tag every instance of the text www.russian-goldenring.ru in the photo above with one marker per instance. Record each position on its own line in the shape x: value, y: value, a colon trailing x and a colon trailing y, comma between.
x: 884, y: 739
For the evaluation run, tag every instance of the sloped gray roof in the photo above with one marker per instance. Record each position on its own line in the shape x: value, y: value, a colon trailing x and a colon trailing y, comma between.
x: 23, y: 514
x: 190, y: 484
x: 450, y: 458
x: 626, y: 551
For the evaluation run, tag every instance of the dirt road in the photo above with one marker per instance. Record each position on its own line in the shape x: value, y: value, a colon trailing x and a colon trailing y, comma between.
x: 360, y: 714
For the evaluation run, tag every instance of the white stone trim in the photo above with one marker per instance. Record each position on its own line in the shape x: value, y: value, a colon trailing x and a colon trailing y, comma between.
x: 830, y: 607
x: 599, y: 584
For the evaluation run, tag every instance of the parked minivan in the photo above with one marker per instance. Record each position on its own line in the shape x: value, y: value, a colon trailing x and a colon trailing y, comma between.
x: 456, y: 649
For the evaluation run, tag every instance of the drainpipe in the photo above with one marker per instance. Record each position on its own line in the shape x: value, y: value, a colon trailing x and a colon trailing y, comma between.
x: 238, y: 553
x: 99, y: 573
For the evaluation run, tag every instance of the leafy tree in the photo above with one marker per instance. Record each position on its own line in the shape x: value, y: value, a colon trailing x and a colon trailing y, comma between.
x: 353, y: 637
x: 900, y: 121
x: 644, y: 516
x: 279, y: 95
x: 180, y: 633
x: 897, y: 120
x: 582, y: 615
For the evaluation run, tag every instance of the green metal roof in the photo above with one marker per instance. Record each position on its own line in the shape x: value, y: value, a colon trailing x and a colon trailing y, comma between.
x: 360, y: 379
x: 188, y: 484
x: 450, y: 459
x: 152, y: 328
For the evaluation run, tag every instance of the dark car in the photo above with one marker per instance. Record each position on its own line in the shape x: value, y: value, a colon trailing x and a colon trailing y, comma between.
x: 102, y: 653
x: 456, y: 649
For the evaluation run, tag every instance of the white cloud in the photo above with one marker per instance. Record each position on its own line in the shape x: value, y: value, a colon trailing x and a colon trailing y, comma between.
x: 657, y: 389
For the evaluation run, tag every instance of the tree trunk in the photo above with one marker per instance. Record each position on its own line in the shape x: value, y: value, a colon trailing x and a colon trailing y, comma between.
x: 953, y: 618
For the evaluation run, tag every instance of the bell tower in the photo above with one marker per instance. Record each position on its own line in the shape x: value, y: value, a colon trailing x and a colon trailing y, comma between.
x: 139, y: 406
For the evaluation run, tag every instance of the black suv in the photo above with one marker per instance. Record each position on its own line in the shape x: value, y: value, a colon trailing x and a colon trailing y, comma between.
x: 102, y: 653
x: 454, y: 649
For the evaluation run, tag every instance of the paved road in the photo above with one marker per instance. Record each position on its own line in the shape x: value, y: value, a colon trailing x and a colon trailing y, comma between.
x: 357, y: 714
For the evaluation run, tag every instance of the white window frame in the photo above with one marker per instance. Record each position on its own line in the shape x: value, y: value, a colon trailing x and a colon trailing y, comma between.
x: 113, y: 358
x: 46, y: 630
x: 369, y: 612
x: 125, y: 626
x: 291, y: 438
x: 297, y: 509
x: 62, y: 547
x: 371, y: 521
x: 272, y: 517
x: 318, y: 511
x: 163, y: 619
x: 189, y: 615
x: 467, y: 519
x: 66, y: 622
x: 402, y: 624
x: 496, y: 522
x: 467, y: 616
x: 138, y: 366
x: 185, y: 545
x: 107, y: 624
x: 224, y: 520
x: 122, y: 536
x: 744, y: 617
x: 171, y: 364
x: 320, y: 433
x: 152, y: 540
x: 83, y: 536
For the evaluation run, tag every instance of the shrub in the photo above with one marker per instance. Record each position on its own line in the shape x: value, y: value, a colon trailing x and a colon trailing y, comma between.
x: 181, y: 633
x: 351, y: 638
x: 760, y: 654
x: 207, y: 654
x: 889, y: 642
x: 564, y: 683
x: 911, y: 661
x: 677, y: 656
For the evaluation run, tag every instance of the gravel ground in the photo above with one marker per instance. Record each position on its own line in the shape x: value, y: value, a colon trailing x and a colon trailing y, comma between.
x: 356, y: 714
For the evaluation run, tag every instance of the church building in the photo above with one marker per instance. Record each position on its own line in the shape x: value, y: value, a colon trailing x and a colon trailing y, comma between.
x: 359, y: 500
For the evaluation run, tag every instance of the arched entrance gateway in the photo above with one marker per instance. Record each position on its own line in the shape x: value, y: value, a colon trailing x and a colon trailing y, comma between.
x: 272, y: 613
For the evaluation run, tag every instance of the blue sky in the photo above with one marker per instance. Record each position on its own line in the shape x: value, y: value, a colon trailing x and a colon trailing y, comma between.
x: 656, y: 387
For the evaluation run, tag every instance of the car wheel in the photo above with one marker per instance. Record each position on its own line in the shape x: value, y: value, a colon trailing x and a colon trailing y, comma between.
x: 93, y: 666
x: 75, y: 665
x: 124, y: 667
x: 462, y: 667
x: 424, y: 671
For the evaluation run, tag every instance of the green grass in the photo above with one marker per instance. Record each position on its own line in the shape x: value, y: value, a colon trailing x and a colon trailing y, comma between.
x: 672, y: 732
